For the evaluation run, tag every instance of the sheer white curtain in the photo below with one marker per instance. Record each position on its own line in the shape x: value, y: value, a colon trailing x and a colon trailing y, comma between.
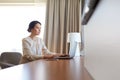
x: 62, y: 16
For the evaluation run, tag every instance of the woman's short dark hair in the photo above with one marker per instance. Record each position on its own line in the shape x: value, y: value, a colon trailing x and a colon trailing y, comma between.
x: 32, y: 25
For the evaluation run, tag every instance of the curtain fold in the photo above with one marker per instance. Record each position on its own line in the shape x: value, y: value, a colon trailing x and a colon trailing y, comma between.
x: 62, y: 16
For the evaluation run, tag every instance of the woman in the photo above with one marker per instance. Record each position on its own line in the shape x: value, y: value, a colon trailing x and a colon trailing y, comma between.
x: 33, y: 47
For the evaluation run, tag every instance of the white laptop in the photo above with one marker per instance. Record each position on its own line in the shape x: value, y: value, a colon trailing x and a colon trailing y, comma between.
x: 72, y: 51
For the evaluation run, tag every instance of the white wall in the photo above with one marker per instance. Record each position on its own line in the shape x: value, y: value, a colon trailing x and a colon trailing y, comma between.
x: 102, y: 41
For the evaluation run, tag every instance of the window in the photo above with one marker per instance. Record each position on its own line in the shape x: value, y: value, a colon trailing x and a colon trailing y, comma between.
x: 14, y: 21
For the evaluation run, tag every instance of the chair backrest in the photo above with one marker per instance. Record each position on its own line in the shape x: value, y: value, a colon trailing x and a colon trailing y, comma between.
x: 11, y: 57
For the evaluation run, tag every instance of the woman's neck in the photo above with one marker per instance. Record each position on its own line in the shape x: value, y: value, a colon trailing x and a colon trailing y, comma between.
x: 32, y: 36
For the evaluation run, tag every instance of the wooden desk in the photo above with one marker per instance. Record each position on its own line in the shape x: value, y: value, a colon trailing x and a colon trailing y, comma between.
x: 44, y: 70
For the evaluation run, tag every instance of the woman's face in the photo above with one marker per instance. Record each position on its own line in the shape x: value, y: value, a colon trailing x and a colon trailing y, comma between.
x: 36, y: 29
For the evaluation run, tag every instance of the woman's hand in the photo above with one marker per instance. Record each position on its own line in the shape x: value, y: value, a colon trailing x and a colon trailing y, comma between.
x: 60, y: 55
x: 48, y: 56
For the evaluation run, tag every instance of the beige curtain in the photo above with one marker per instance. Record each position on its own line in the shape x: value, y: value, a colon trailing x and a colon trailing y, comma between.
x: 62, y: 16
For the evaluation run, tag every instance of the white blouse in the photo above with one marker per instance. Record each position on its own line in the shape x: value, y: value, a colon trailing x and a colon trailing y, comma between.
x: 34, y: 47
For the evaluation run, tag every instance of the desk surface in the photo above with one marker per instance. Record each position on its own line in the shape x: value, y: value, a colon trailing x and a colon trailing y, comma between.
x: 44, y: 70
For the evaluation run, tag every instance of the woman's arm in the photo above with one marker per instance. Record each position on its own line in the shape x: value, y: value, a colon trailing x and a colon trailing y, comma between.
x: 45, y: 51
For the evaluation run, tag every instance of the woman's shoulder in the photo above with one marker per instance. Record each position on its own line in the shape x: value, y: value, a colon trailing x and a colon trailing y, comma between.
x: 29, y: 39
x: 26, y: 39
